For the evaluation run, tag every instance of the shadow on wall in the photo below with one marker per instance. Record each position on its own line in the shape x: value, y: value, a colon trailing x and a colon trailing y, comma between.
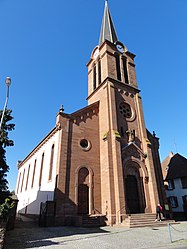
x: 66, y: 209
x: 30, y: 206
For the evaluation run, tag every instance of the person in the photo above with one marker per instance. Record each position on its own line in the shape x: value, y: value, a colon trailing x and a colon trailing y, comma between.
x: 158, y: 212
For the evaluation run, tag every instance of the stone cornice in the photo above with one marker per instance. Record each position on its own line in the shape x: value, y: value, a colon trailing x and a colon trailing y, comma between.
x: 115, y: 82
x: 84, y: 113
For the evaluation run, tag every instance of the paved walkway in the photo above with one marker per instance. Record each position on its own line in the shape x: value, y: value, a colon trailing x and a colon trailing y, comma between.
x: 29, y: 236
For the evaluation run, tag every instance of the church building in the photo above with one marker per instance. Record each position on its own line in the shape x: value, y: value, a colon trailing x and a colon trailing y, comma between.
x: 100, y: 160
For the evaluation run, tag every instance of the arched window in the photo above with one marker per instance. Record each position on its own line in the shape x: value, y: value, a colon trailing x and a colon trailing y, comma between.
x: 83, y: 176
x: 118, y: 68
x: 125, y: 70
x: 99, y: 72
x: 51, y: 162
x: 94, y: 77
x: 22, y: 180
x: 18, y: 183
x: 27, y: 177
x: 33, y: 174
x: 83, y: 191
x: 41, y: 169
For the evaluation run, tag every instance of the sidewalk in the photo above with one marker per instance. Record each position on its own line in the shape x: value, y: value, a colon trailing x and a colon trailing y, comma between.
x: 90, y: 238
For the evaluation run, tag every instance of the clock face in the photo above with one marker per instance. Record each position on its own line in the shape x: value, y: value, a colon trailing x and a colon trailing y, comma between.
x: 120, y: 47
x: 96, y: 53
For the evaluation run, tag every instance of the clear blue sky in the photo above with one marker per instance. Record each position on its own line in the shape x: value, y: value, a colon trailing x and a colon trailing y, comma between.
x: 44, y: 48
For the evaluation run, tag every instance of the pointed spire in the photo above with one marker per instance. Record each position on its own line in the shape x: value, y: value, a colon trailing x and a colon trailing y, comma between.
x: 107, y: 29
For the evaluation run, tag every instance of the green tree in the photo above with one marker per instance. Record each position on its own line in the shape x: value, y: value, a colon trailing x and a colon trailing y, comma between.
x: 5, y: 209
x: 4, y: 142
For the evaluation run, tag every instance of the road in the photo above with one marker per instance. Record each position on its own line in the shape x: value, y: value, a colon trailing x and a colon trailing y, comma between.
x: 33, y: 237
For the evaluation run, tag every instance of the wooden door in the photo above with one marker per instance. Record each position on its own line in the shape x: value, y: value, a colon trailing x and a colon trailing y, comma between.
x: 132, y: 195
x: 83, y: 199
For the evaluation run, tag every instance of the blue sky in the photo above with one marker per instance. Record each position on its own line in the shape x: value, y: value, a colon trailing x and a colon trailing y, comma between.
x: 44, y: 48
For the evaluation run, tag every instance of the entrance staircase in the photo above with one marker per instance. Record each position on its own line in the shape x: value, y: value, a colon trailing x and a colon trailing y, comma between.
x: 145, y: 220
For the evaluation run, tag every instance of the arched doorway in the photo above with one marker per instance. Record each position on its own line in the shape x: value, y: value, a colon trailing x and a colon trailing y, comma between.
x: 83, y: 191
x: 132, y: 195
x: 134, y: 189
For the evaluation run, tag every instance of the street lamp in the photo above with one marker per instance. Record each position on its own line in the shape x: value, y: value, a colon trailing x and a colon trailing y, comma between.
x: 8, y: 82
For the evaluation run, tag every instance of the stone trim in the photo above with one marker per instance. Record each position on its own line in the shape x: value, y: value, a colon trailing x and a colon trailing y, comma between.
x: 50, y: 134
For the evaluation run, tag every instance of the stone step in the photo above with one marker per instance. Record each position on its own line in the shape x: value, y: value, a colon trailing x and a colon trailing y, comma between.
x: 143, y: 215
x: 154, y: 224
x: 145, y: 220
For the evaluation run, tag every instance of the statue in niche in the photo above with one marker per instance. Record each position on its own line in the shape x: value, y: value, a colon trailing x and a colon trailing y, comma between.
x: 131, y: 135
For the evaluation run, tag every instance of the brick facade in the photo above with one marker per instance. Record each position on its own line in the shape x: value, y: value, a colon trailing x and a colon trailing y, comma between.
x: 107, y: 163
x: 112, y: 156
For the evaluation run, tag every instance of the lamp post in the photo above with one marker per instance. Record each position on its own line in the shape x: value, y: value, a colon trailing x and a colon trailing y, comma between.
x: 8, y: 82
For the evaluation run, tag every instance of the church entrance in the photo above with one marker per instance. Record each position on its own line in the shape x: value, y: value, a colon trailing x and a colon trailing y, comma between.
x: 83, y: 191
x: 134, y: 186
x: 83, y: 197
x: 132, y: 195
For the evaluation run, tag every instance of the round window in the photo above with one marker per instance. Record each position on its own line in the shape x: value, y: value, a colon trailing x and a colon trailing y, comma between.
x: 125, y: 110
x: 85, y: 144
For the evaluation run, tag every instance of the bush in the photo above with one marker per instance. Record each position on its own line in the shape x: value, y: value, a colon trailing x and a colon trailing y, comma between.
x: 5, y: 209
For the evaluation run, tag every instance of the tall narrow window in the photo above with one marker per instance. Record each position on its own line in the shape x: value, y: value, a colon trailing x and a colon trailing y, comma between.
x: 94, y: 77
x: 41, y: 169
x: 184, y: 182
x: 18, y: 183
x: 33, y: 174
x: 27, y: 177
x: 51, y: 162
x: 22, y: 180
x: 99, y: 72
x: 122, y: 131
x: 171, y: 184
x: 125, y: 70
x: 184, y: 198
x: 173, y: 201
x: 118, y: 69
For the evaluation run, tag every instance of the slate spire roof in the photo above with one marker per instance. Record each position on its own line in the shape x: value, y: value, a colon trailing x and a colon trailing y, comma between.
x: 107, y: 29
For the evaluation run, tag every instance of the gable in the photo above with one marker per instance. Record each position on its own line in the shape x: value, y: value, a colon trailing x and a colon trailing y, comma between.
x: 177, y: 167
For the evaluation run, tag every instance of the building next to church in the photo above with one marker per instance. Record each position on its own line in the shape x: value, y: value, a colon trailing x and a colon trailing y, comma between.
x: 174, y: 169
x: 101, y: 159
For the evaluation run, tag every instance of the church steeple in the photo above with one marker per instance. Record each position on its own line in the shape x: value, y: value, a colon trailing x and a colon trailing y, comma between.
x: 107, y: 29
x: 109, y: 60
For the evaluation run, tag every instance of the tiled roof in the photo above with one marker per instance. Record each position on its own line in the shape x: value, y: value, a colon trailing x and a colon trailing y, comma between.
x: 177, y: 167
x: 165, y: 164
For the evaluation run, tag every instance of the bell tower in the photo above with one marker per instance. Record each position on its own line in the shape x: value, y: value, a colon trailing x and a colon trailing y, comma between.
x: 129, y: 161
x: 110, y: 58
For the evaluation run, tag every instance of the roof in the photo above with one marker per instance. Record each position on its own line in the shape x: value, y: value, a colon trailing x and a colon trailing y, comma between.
x: 165, y: 163
x: 79, y: 112
x: 107, y: 29
x: 177, y: 167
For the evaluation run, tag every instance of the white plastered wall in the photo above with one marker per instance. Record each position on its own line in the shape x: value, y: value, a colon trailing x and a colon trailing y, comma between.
x: 178, y: 192
x: 30, y: 198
